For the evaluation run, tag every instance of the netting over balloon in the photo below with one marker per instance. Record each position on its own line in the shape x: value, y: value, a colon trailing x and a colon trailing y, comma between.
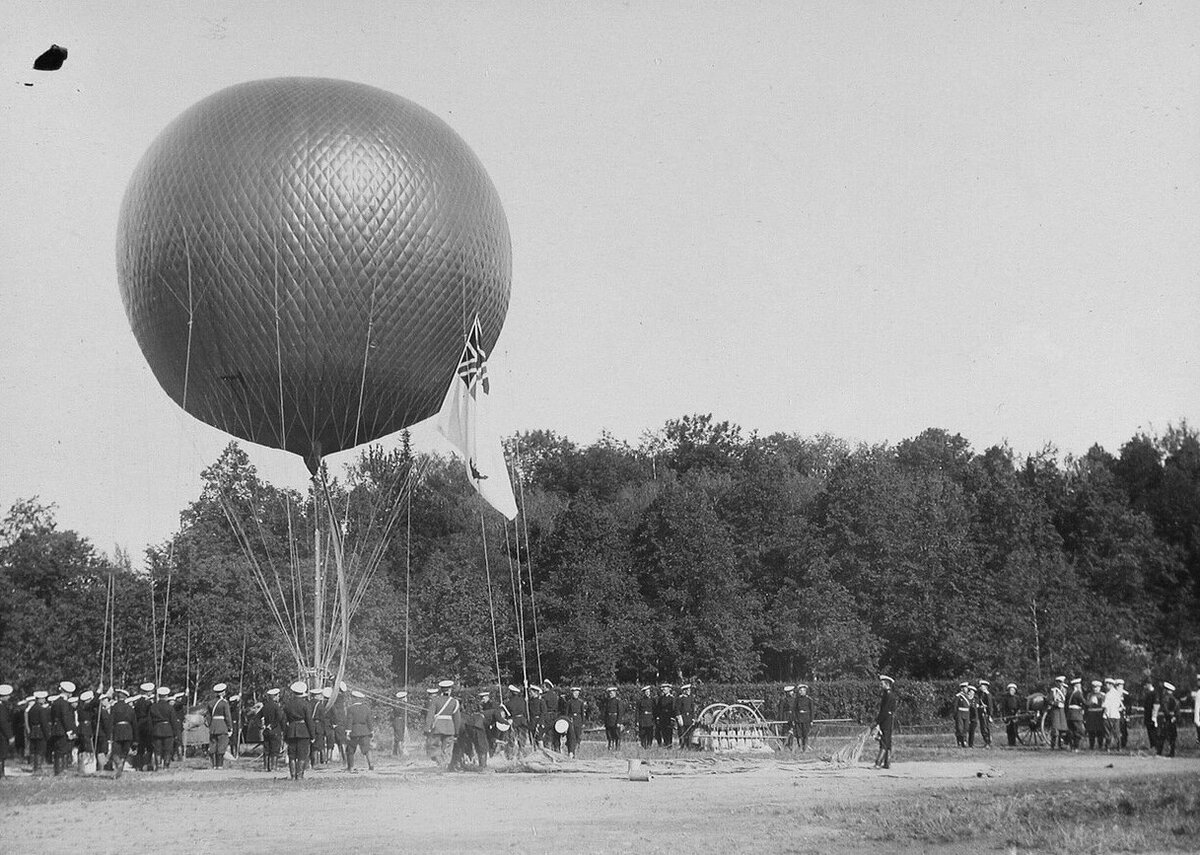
x: 300, y: 260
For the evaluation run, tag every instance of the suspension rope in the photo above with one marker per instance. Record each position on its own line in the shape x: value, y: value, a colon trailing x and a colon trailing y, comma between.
x: 518, y: 607
x: 528, y: 557
x: 487, y: 570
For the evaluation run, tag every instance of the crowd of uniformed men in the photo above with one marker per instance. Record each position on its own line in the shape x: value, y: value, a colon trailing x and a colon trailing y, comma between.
x: 146, y: 728
x: 1071, y: 714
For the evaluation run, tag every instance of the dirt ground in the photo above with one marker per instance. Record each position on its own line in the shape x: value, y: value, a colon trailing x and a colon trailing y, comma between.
x: 693, y: 803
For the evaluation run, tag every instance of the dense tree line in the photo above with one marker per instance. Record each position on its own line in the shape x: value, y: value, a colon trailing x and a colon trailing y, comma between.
x: 700, y: 552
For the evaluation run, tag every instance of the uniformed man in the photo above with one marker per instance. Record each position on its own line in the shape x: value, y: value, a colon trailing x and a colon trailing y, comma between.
x: 645, y: 717
x: 1150, y: 712
x: 63, y: 727
x: 179, y: 702
x: 1093, y: 715
x: 162, y: 728
x: 219, y: 717
x: 518, y: 715
x: 685, y: 714
x: 37, y: 726
x: 297, y: 729
x: 787, y: 714
x: 803, y: 717
x: 124, y: 730
x: 574, y: 709
x: 85, y: 714
x: 273, y: 724
x: 487, y: 702
x: 399, y: 723
x: 985, y: 710
x: 962, y: 714
x: 664, y: 716
x: 1010, y: 706
x: 360, y: 731
x: 1126, y: 700
x: 553, y: 708
x: 537, y: 713
x: 1075, y: 706
x: 472, y: 737
x: 1168, y: 719
x: 104, y: 729
x: 443, y: 721
x: 1059, y: 730
x: 316, y: 750
x: 885, y: 722
x: 145, y: 743
x: 6, y: 730
x: 611, y: 710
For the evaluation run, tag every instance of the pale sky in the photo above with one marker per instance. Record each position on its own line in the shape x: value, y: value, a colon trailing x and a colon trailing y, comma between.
x: 865, y: 219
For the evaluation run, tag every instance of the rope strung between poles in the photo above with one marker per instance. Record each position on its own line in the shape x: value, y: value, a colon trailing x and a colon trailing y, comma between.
x: 537, y: 648
x: 487, y: 572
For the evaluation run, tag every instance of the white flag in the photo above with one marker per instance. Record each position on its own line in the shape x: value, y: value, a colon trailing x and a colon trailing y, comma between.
x: 463, y: 420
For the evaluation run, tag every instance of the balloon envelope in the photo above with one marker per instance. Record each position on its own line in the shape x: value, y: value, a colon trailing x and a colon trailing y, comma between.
x: 301, y: 259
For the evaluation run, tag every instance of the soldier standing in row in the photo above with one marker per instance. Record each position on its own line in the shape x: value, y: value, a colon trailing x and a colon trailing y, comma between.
x: 664, y: 717
x: 6, y: 729
x: 552, y: 703
x: 518, y: 713
x: 124, y: 730
x: 885, y: 722
x: 962, y: 714
x: 537, y: 712
x: 1149, y: 711
x: 162, y: 729
x: 685, y: 713
x: 443, y: 720
x: 85, y: 714
x: 645, y: 718
x: 985, y: 710
x: 219, y: 718
x: 611, y: 710
x: 62, y: 727
x: 1010, y: 708
x: 145, y: 742
x: 297, y: 729
x: 1167, y: 715
x: 1059, y: 732
x: 37, y: 726
x: 273, y: 722
x: 574, y: 709
x: 803, y: 719
x: 787, y: 714
x: 359, y: 715
x: 103, y: 728
x: 1075, y: 706
x: 1093, y: 715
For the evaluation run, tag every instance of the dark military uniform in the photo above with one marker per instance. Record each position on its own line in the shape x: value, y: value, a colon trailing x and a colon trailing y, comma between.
x: 645, y: 719
x: 124, y: 732
x: 360, y: 732
x: 145, y: 742
x: 1010, y: 707
x: 803, y: 719
x: 885, y: 720
x: 1149, y: 715
x: 1075, y: 705
x: 316, y: 750
x: 273, y: 723
x: 298, y: 733
x: 518, y: 716
x: 62, y: 732
x: 685, y: 716
x: 664, y: 718
x: 399, y: 728
x: 162, y: 731
x: 984, y: 710
x: 611, y: 710
x: 787, y: 714
x: 574, y: 709
x: 6, y: 732
x: 1168, y: 724
x: 37, y: 727
x: 537, y: 712
x: 962, y: 716
x: 553, y: 708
